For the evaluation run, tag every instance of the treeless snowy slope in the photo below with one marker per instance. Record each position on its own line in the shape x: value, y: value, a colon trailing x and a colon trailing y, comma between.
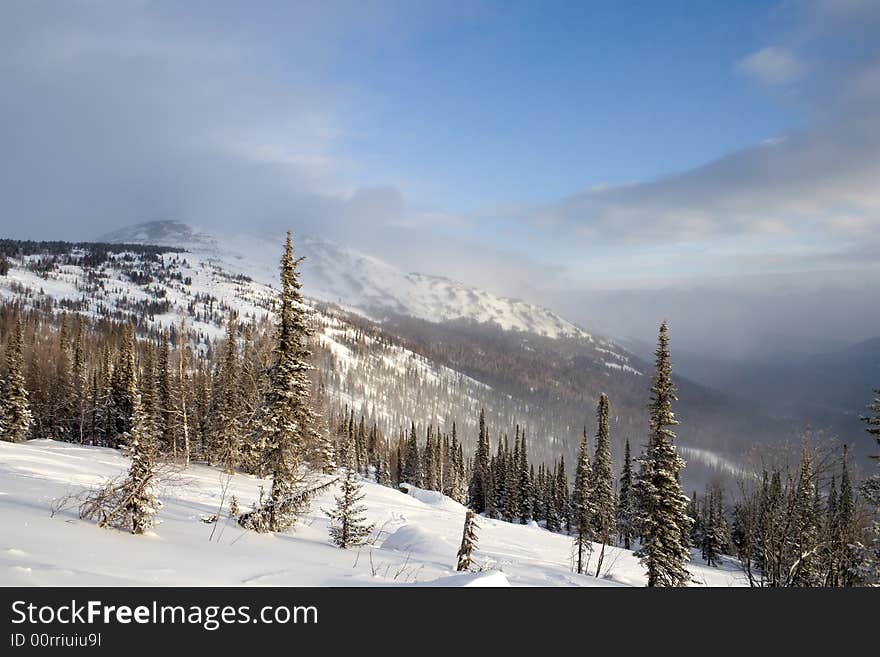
x: 415, y: 540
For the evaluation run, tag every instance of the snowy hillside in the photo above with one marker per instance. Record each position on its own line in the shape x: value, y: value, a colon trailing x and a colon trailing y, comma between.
x: 414, y: 542
x: 363, y: 369
x: 341, y: 275
x: 395, y: 371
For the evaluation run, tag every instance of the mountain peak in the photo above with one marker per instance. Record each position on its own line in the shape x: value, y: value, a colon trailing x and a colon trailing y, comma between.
x: 357, y: 281
x: 160, y: 233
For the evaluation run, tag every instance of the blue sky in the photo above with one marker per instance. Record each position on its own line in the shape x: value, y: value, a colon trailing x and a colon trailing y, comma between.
x: 546, y: 150
x: 524, y: 103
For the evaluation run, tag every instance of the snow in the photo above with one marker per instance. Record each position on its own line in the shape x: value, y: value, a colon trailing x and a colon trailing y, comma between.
x: 354, y: 280
x: 415, y: 541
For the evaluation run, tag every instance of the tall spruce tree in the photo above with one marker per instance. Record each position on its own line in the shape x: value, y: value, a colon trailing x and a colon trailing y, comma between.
x: 142, y: 504
x: 663, y: 520
x: 869, y: 567
x: 525, y: 492
x: 15, y: 409
x: 602, y: 485
x: 846, y: 536
x: 805, y: 544
x: 229, y: 423
x: 124, y: 387
x: 412, y: 468
x: 165, y: 394
x: 626, y: 504
x: 287, y: 418
x: 79, y: 382
x: 581, y: 505
x: 563, y: 499
x: 480, y: 484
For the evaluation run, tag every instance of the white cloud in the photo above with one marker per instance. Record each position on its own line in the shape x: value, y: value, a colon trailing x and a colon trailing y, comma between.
x: 773, y: 66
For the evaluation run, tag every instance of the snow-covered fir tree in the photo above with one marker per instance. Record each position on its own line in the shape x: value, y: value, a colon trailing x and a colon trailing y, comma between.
x: 287, y: 418
x: 165, y: 390
x: 412, y: 467
x: 124, y: 387
x: 662, y: 517
x: 602, y: 484
x: 228, y: 420
x: 563, y: 499
x: 805, y: 545
x: 581, y: 507
x: 626, y: 505
x: 15, y: 410
x: 868, y: 568
x: 480, y: 485
x: 525, y: 491
x: 142, y: 503
x: 348, y: 525
x: 468, y: 542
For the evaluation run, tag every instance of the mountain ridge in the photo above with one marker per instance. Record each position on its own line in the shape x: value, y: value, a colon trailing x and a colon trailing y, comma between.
x: 357, y: 281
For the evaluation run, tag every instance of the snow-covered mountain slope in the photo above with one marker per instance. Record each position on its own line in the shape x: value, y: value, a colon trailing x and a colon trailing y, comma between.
x: 361, y: 367
x: 414, y: 542
x: 396, y: 371
x: 354, y: 280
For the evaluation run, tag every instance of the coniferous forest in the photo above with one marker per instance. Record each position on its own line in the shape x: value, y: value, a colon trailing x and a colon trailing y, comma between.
x: 256, y: 402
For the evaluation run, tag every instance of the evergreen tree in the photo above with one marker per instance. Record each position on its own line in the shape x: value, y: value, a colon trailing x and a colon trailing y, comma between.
x: 525, y: 492
x: 104, y: 420
x: 626, y: 506
x: 460, y: 475
x: 713, y: 536
x: 287, y: 419
x: 551, y: 501
x: 15, y: 410
x: 348, y: 526
x: 142, y: 504
x: 479, y: 488
x: 431, y: 462
x: 581, y: 504
x: 563, y: 501
x: 869, y: 568
x: 79, y: 381
x: 468, y: 542
x: 602, y: 485
x: 806, y: 539
x: 124, y: 386
x: 663, y: 520
x: 412, y: 469
x: 846, y: 527
x: 383, y: 471
x: 165, y: 393
x: 229, y: 426
x: 499, y: 482
x: 398, y: 463
x: 326, y: 451
x: 511, y: 482
x: 63, y: 410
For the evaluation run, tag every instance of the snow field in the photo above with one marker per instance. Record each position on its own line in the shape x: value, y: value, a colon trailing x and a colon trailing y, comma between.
x: 415, y: 539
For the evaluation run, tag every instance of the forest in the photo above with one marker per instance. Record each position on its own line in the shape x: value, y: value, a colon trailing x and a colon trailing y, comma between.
x: 258, y: 401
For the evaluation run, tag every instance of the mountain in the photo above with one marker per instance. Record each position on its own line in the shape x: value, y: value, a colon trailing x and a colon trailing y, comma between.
x: 392, y: 367
x: 828, y: 391
x: 356, y: 281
